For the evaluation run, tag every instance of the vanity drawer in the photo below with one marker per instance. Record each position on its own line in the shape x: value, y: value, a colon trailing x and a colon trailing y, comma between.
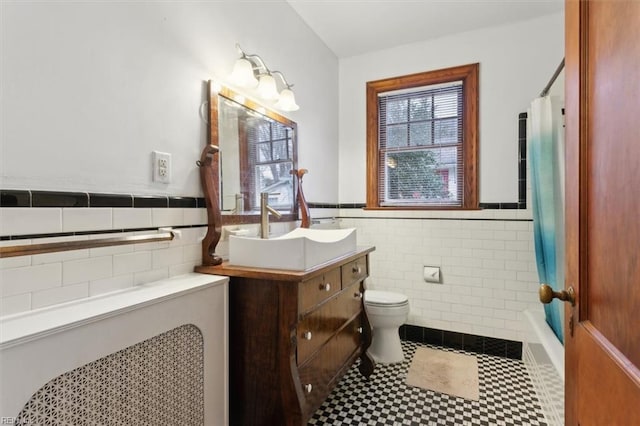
x: 314, y: 291
x: 318, y: 326
x: 320, y: 374
x: 354, y: 271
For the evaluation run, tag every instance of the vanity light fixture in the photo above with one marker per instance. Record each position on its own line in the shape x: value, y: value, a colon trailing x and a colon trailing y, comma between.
x: 251, y: 72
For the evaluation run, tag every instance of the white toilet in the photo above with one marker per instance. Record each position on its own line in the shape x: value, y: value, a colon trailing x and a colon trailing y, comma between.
x: 386, y: 311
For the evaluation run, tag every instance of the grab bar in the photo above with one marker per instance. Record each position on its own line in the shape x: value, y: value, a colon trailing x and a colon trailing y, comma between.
x: 29, y: 249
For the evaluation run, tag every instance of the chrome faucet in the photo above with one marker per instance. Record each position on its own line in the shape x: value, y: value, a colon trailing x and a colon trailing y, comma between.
x: 239, y: 208
x: 265, y: 209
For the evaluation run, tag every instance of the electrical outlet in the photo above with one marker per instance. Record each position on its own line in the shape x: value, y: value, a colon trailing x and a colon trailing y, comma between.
x: 161, y: 167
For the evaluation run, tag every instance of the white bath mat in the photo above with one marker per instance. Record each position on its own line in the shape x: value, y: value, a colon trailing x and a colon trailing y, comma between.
x: 445, y: 372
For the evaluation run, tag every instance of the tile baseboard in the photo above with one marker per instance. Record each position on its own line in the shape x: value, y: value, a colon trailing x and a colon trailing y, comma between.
x: 468, y: 342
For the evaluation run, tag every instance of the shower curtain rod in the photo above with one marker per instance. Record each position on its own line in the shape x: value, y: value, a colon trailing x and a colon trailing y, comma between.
x: 545, y: 91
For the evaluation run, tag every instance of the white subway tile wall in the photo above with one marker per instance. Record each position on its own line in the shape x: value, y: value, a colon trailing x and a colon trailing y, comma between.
x: 93, y: 268
x: 110, y: 284
x: 167, y: 217
x: 85, y: 219
x: 14, y: 262
x: 486, y: 258
x: 15, y: 304
x: 131, y: 262
x: 125, y: 218
x: 58, y: 295
x: 30, y: 279
x: 488, y: 267
x: 32, y: 282
x: 195, y: 216
x: 21, y: 221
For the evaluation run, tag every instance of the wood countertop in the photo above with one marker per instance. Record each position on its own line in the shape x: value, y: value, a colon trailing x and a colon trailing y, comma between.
x: 226, y: 269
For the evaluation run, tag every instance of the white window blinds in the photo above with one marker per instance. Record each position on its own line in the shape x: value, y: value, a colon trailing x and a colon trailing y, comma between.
x: 420, y: 145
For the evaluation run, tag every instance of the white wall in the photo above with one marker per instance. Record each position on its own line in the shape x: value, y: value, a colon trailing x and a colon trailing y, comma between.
x: 516, y: 62
x: 89, y: 89
x: 486, y: 257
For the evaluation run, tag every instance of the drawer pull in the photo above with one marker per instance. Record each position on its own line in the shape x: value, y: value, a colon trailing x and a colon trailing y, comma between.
x: 358, y: 295
x: 360, y: 330
x: 308, y: 387
x: 307, y: 335
x: 325, y: 286
x: 357, y: 269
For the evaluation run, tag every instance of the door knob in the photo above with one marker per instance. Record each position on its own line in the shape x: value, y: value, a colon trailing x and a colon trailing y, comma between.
x: 547, y: 294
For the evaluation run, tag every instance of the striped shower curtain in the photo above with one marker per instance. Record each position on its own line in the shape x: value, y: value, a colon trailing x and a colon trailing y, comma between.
x: 545, y: 141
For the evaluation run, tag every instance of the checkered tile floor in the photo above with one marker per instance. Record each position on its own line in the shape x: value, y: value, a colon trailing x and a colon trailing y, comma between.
x: 507, y: 397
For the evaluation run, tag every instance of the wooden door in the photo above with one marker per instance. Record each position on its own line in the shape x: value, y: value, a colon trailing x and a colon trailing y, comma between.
x: 603, y: 212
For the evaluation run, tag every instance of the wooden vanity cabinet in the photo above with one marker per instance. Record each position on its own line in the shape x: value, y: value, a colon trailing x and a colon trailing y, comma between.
x: 292, y: 336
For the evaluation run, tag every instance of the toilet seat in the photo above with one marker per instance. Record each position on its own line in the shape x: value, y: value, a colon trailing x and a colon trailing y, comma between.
x: 384, y: 298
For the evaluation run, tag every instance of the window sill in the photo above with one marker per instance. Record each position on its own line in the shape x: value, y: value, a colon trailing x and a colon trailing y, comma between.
x: 419, y: 208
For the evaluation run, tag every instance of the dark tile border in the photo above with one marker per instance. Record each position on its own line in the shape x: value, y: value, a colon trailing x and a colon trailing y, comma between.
x: 59, y: 199
x: 491, y: 206
x: 27, y: 198
x: 15, y: 198
x: 150, y: 201
x: 183, y: 202
x: 110, y: 200
x: 337, y: 206
x: 522, y: 159
x: 499, y: 206
x: 468, y: 342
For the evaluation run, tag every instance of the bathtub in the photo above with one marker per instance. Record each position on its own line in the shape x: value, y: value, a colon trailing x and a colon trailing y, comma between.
x: 148, y: 346
x: 543, y: 356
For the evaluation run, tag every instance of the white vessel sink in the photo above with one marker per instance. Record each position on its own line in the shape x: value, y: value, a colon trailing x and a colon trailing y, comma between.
x: 298, y: 250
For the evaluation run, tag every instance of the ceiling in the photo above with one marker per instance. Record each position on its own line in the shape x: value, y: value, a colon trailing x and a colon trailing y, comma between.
x: 354, y: 27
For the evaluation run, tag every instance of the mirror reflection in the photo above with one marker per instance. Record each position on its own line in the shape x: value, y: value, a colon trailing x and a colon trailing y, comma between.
x: 257, y: 153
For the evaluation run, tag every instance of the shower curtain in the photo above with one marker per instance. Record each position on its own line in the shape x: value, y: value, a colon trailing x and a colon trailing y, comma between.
x: 545, y: 142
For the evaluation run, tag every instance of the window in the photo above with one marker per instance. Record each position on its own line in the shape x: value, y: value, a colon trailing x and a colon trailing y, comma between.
x: 422, y: 140
x: 269, y: 162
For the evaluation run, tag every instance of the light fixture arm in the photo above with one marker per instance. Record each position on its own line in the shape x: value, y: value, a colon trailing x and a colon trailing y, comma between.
x: 284, y: 80
x: 256, y: 60
x: 259, y: 64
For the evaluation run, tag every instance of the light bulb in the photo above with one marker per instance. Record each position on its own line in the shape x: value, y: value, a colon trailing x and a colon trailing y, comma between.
x: 287, y: 101
x: 267, y: 87
x: 242, y: 74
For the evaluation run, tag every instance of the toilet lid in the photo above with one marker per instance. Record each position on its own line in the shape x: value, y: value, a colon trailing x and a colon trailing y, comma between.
x: 385, y: 298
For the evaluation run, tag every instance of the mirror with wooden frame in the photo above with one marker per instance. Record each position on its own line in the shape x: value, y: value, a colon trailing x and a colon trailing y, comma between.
x: 258, y: 150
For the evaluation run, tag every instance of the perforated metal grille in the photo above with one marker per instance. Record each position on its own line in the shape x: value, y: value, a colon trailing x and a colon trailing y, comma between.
x: 156, y: 382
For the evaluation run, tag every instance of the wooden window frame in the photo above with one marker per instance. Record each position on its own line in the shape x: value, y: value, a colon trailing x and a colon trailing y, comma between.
x: 468, y: 74
x: 249, y: 162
